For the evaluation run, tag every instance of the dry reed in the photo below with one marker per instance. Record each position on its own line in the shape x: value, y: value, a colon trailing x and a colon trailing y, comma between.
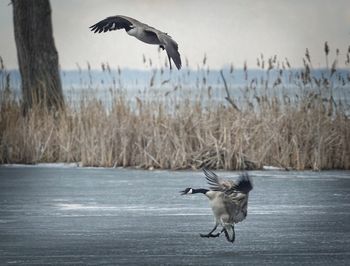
x: 310, y: 133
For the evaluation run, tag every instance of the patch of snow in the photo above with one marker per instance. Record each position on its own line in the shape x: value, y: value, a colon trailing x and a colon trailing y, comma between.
x: 44, y: 165
x: 268, y: 167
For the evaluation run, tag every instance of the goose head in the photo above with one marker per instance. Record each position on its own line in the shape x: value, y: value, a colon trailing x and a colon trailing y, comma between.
x: 187, y: 191
x: 129, y: 27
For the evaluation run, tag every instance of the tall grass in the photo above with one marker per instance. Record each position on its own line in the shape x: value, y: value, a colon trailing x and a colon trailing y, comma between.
x: 311, y: 131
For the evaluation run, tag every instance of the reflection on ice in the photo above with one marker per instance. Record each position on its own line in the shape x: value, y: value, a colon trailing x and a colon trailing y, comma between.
x: 132, y: 208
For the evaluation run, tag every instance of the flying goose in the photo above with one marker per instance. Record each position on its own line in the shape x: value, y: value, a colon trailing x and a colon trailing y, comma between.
x: 228, y: 200
x: 143, y: 32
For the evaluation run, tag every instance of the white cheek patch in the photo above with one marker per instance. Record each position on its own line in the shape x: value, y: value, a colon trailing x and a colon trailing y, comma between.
x: 191, y: 191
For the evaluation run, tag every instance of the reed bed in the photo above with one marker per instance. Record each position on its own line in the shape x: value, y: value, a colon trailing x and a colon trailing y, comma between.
x: 311, y: 132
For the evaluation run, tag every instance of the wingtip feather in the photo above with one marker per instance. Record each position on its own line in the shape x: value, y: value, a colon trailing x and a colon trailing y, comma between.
x: 244, y: 183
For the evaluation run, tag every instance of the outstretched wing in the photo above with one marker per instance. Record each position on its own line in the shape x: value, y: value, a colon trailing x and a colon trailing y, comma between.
x: 112, y: 23
x: 216, y: 183
x: 170, y: 46
x: 243, y: 184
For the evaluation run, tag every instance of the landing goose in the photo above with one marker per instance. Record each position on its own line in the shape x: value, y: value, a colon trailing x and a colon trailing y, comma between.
x: 143, y: 32
x: 228, y: 200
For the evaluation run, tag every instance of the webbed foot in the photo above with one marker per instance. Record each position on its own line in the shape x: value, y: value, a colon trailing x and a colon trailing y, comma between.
x: 210, y: 235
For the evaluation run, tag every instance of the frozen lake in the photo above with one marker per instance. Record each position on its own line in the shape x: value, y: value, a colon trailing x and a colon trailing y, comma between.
x: 85, y: 216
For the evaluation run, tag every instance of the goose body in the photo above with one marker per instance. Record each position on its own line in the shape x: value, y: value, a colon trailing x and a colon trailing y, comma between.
x: 142, y: 32
x: 228, y: 201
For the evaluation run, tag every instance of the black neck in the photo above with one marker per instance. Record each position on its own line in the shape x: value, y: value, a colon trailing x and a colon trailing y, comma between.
x: 200, y: 190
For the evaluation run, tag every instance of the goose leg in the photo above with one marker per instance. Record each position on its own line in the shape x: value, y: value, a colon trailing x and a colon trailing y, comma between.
x: 227, y: 235
x: 210, y: 234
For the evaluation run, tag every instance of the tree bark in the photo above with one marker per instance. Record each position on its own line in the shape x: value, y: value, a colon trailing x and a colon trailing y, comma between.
x: 37, y: 54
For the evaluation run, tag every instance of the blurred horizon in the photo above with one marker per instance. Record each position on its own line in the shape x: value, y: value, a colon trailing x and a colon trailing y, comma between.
x: 95, y: 78
x: 190, y: 84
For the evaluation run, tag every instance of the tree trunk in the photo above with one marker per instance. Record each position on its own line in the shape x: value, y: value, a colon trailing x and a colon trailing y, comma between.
x: 37, y: 54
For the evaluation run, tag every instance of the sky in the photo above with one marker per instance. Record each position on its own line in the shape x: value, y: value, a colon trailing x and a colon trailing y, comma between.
x: 226, y: 31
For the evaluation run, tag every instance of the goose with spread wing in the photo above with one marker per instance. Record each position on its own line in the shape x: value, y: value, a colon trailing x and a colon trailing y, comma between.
x: 228, y: 200
x: 143, y: 32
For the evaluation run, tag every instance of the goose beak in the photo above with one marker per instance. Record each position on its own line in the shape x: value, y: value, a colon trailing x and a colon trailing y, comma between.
x: 183, y: 192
